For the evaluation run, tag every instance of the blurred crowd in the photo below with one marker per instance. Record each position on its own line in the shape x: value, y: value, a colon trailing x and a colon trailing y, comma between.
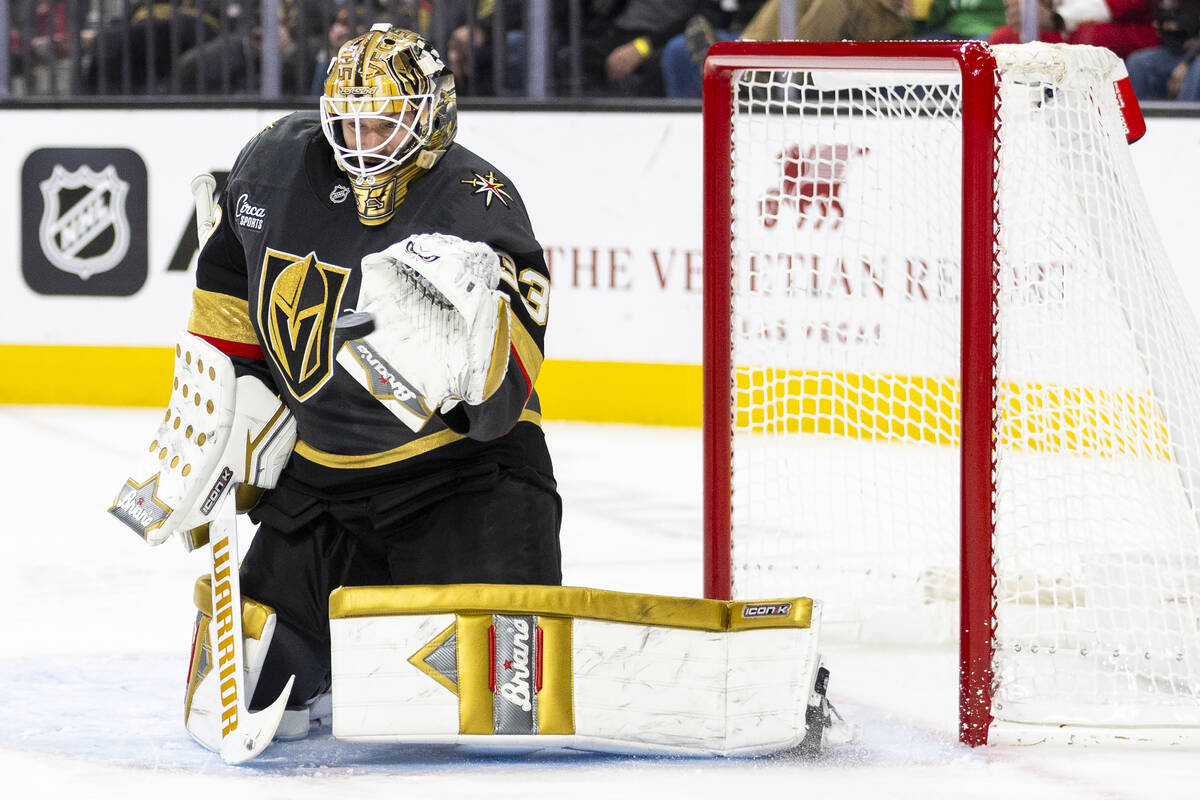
x: 616, y: 48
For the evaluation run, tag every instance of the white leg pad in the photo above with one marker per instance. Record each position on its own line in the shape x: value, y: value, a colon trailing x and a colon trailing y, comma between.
x: 531, y: 666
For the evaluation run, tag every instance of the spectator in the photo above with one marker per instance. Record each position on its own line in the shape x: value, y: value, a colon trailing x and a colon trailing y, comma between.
x: 185, y: 24
x: 1158, y: 73
x: 342, y: 27
x: 1120, y: 25
x: 469, y: 51
x: 233, y: 61
x: 816, y: 21
x: 39, y: 43
x: 1184, y: 83
x: 835, y: 20
x: 623, y: 41
x: 683, y: 56
x: 961, y: 19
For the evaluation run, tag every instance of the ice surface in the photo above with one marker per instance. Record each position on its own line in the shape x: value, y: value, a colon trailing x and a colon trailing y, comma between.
x: 95, y: 630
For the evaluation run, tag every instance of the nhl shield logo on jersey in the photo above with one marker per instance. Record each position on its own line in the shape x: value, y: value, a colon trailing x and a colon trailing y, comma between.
x: 84, y: 229
x: 83, y: 221
x: 297, y: 305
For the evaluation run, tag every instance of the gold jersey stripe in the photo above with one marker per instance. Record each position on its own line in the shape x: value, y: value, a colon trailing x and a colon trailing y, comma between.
x: 221, y: 316
x: 405, y: 451
x: 570, y: 601
x: 527, y: 349
x: 499, y: 359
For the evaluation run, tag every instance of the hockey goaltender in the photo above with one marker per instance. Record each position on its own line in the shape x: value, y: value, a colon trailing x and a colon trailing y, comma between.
x: 358, y: 373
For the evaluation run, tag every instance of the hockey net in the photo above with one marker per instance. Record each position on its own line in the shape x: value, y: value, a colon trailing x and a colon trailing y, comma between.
x: 869, y: 209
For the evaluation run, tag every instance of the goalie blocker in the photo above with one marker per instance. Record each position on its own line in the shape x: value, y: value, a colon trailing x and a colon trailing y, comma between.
x: 533, y: 666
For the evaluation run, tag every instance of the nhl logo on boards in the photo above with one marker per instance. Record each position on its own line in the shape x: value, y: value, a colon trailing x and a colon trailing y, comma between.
x: 84, y: 221
x: 71, y: 235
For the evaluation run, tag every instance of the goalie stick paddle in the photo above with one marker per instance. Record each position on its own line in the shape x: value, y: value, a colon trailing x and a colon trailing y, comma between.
x: 244, y: 734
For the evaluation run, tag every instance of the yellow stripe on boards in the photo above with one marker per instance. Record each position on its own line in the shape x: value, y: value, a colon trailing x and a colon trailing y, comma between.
x: 909, y: 409
x: 915, y: 409
x: 86, y: 376
x: 585, y: 391
x: 1082, y: 420
x: 614, y: 391
x: 849, y: 405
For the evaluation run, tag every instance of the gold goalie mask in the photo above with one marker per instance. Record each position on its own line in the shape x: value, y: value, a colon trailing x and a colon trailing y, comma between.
x: 388, y: 111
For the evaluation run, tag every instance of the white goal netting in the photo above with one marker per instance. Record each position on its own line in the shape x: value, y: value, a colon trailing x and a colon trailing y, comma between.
x: 847, y: 237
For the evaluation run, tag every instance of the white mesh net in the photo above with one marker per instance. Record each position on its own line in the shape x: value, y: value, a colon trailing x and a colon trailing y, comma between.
x: 846, y: 243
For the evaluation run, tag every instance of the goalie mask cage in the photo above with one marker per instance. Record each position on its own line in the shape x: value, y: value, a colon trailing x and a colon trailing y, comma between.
x: 951, y: 383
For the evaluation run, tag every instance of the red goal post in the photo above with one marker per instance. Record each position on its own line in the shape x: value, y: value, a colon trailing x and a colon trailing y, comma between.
x: 786, y: 219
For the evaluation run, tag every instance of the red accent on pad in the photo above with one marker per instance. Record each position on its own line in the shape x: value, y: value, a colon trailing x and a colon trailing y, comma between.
x: 492, y: 659
x: 537, y: 664
x: 229, y: 348
x: 192, y: 652
x: 524, y: 373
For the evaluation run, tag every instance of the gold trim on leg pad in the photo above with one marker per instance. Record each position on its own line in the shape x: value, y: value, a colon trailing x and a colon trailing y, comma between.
x: 570, y: 601
x: 543, y: 666
x: 254, y: 613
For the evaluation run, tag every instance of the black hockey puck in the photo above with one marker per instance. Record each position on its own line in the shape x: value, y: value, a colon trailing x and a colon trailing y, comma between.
x: 354, y: 325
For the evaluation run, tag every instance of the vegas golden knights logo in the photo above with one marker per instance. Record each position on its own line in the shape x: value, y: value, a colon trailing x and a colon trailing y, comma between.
x: 297, y: 304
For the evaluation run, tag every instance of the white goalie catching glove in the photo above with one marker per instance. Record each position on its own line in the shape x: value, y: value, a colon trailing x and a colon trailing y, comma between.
x: 219, y: 431
x: 440, y: 327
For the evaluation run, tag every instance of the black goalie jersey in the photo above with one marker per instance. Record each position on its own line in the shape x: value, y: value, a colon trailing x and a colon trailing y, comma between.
x: 283, y: 263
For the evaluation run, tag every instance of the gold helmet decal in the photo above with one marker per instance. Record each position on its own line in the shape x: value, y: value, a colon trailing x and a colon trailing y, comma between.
x: 297, y: 304
x: 388, y: 111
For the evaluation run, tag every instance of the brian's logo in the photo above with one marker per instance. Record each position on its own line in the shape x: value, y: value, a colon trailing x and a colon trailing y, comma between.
x: 138, y: 506
x: 810, y: 184
x: 516, y: 689
x: 83, y: 228
x: 297, y: 303
x: 515, y: 644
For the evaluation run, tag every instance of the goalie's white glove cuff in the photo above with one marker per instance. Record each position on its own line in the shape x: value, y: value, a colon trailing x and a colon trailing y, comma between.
x: 439, y: 319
